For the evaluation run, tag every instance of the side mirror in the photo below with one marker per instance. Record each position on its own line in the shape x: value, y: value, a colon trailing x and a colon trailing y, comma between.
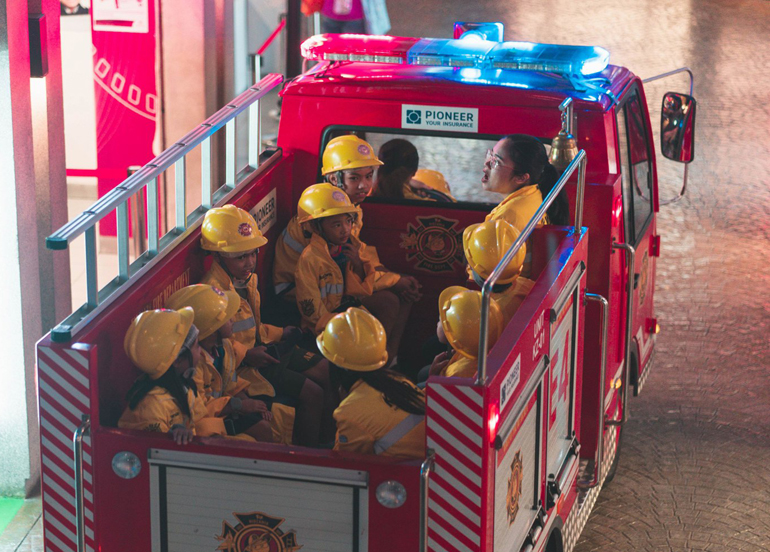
x: 677, y: 127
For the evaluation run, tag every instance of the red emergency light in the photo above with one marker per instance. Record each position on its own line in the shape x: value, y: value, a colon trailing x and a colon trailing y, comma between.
x: 353, y: 47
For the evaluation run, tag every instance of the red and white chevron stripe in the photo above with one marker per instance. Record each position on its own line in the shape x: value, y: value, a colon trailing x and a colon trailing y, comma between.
x: 455, y: 429
x: 64, y: 397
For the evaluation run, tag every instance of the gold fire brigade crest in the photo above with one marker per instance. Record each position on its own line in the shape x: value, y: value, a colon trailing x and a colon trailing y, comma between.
x: 257, y: 532
x: 514, y: 487
x: 435, y: 243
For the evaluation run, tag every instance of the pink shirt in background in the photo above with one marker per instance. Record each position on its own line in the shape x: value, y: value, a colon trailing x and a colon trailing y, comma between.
x: 356, y: 10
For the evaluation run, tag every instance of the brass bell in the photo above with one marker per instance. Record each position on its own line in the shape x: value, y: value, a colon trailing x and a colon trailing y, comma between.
x: 563, y: 150
x: 564, y: 147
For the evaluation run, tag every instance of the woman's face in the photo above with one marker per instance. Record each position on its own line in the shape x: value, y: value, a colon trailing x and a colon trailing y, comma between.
x: 498, y: 172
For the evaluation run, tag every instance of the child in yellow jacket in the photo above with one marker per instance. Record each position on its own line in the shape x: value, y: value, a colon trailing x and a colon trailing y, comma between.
x: 223, y: 390
x: 383, y: 413
x: 485, y: 245
x: 232, y: 236
x: 336, y: 270
x: 459, y: 325
x: 164, y: 345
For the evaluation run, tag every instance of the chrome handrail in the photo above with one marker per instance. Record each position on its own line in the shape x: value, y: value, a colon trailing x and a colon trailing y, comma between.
x: 148, y: 177
x: 77, y: 441
x: 486, y: 290
x: 425, y: 470
x: 603, y: 374
x: 630, y: 256
x: 674, y: 72
x: 692, y: 90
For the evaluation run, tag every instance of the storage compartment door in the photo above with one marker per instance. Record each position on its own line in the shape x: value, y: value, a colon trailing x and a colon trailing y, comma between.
x: 201, y: 504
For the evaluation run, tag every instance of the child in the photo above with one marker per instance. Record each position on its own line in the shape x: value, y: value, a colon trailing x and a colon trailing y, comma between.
x: 232, y: 236
x: 164, y: 345
x: 349, y: 164
x: 224, y: 391
x: 383, y: 413
x: 485, y: 245
x: 459, y: 326
x: 332, y: 272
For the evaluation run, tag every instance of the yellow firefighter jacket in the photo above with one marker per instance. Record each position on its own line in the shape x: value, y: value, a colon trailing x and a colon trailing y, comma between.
x: 519, y: 207
x: 247, y: 321
x: 321, y: 286
x: 369, y: 425
x: 158, y: 412
x: 293, y: 241
x: 209, y: 382
x: 511, y: 299
x: 460, y: 367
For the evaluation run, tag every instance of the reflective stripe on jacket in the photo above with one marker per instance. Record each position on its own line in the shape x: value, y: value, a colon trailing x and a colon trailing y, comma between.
x: 158, y: 412
x: 288, y: 247
x: 369, y: 425
x: 246, y: 321
x: 320, y: 284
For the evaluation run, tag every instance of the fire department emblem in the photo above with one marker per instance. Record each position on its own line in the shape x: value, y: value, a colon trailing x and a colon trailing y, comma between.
x: 644, y: 277
x: 434, y: 243
x: 514, y: 487
x: 244, y: 229
x: 257, y: 532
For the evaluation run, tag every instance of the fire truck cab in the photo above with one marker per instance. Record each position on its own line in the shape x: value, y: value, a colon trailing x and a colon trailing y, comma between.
x: 514, y: 457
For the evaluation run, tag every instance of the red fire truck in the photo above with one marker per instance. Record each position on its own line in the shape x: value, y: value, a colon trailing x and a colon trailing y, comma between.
x: 515, y: 457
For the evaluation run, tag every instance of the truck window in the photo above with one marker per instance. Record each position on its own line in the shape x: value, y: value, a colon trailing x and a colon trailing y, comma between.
x: 634, y: 167
x: 459, y: 159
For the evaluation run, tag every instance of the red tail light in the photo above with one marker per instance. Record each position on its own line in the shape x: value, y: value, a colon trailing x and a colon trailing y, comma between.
x: 494, y: 416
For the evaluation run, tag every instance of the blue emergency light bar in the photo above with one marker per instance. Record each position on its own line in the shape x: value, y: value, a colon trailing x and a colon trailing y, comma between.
x: 471, y: 50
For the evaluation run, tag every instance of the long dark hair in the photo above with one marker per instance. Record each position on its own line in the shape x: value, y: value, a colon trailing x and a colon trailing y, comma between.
x: 529, y: 157
x: 400, y: 160
x: 395, y: 390
x: 171, y: 381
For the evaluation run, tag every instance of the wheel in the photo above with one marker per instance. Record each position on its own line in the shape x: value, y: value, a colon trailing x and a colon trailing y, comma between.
x: 555, y: 543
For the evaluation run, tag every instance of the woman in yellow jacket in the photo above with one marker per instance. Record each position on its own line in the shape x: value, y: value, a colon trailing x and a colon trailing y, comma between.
x: 232, y: 236
x: 485, y: 245
x: 459, y: 325
x: 518, y: 167
x: 383, y: 413
x: 164, y: 345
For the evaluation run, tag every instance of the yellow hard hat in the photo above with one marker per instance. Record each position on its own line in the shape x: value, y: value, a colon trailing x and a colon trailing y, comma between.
x: 433, y: 179
x: 460, y: 314
x: 485, y: 245
x: 355, y: 340
x: 213, y: 307
x: 230, y: 229
x: 323, y: 200
x: 155, y: 337
x: 348, y: 152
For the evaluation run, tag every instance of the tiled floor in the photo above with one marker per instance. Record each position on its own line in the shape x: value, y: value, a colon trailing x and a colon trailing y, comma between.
x: 25, y: 532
